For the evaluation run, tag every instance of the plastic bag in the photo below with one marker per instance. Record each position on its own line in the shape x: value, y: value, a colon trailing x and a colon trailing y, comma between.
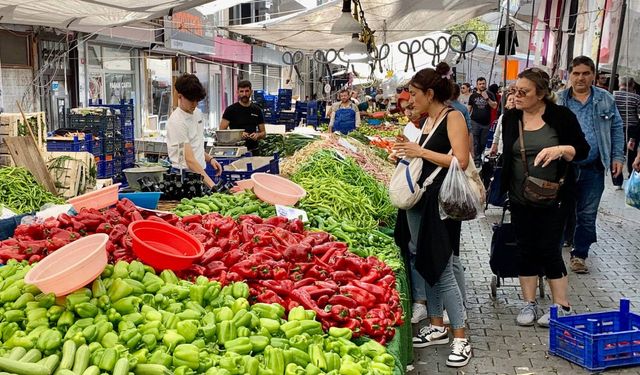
x: 632, y: 190
x: 457, y: 200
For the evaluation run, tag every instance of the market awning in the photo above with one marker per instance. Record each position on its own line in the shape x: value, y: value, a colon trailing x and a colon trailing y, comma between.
x: 67, y: 14
x: 402, y: 19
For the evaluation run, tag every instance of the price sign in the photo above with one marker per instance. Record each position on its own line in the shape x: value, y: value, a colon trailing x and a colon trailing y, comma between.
x: 291, y: 213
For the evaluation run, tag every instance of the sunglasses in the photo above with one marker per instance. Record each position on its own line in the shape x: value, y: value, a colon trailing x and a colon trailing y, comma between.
x: 519, y: 92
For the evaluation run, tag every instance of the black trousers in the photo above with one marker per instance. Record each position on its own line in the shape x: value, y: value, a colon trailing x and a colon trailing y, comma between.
x: 539, y: 234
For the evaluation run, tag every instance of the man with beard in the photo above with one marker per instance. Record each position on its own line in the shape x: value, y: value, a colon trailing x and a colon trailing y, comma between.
x: 345, y: 115
x: 246, y: 116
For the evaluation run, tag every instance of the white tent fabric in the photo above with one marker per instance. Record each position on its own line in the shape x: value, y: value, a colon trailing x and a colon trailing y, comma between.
x: 67, y: 14
x: 402, y: 19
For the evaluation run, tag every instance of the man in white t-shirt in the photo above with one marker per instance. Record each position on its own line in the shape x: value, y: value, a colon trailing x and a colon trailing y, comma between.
x: 186, y: 127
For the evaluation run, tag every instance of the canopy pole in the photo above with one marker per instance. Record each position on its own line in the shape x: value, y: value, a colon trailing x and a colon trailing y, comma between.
x: 533, y: 9
x: 507, y: 45
x: 616, y: 55
x: 495, y: 50
x: 559, y: 36
x: 604, y: 14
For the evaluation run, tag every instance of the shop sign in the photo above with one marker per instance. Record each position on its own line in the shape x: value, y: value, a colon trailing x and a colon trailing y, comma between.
x: 190, y: 31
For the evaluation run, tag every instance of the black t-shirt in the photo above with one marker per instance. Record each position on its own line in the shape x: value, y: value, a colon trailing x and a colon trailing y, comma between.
x: 246, y: 118
x: 481, y: 111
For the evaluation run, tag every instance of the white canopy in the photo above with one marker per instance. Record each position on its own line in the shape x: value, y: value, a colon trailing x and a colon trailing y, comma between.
x: 402, y: 19
x: 68, y: 14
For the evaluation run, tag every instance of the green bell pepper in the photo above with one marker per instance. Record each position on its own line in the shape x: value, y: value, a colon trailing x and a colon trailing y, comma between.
x: 274, y: 359
x: 297, y: 313
x: 136, y: 270
x: 251, y: 365
x: 169, y: 277
x: 21, y: 302
x: 49, y: 341
x: 272, y: 325
x: 197, y: 292
x: 226, y: 331
x: 278, y: 342
x: 127, y: 305
x: 317, y: 357
x: 291, y: 328
x: 270, y: 311
x: 54, y: 313
x: 98, y: 289
x: 333, y: 361
x: 350, y: 368
x: 172, y: 338
x: 159, y: 357
x: 293, y: 369
x: 312, y: 370
x: 297, y: 356
x: 340, y: 332
x: 119, y: 289
x: 240, y: 304
x: 242, y: 318
x: 240, y: 290
x: 300, y: 342
x: 186, y: 355
x: 14, y: 315
x: 130, y: 338
x: 138, y: 287
x: 109, y: 340
x: 259, y: 343
x: 108, y: 359
x: 152, y: 283
x: 372, y: 348
x: 86, y: 310
x: 240, y: 345
x: 243, y: 332
x: 120, y: 270
x: 188, y: 329
x: 225, y: 313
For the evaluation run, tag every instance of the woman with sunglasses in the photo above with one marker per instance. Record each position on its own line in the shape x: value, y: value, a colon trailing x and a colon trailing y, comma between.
x: 552, y: 139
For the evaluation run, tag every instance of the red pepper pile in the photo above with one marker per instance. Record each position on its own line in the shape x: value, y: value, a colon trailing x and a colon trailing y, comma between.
x: 281, y: 262
x: 35, y: 241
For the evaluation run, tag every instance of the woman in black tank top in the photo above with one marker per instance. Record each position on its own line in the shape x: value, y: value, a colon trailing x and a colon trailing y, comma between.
x: 429, y: 241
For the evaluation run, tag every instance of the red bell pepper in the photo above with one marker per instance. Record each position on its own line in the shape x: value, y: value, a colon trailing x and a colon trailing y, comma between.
x: 214, y: 268
x: 343, y: 277
x: 379, y: 292
x: 316, y: 292
x: 280, y: 273
x: 253, y: 219
x: 233, y: 257
x: 277, y: 221
x: 354, y: 325
x: 213, y: 253
x: 304, y: 282
x: 117, y: 233
x: 298, y: 253
x: 339, y: 313
x: 104, y: 228
x: 192, y: 219
x: 339, y: 299
x: 246, y: 269
x: 296, y: 226
x: 281, y: 288
x: 308, y: 303
x: 350, y: 262
x: 269, y: 296
x: 361, y: 296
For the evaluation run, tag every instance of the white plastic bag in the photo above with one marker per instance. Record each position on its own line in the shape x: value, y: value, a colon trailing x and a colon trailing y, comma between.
x: 457, y: 199
x: 632, y: 190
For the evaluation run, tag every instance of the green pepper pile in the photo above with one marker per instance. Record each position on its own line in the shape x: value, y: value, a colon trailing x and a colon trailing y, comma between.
x: 329, y: 164
x: 285, y: 145
x: 227, y: 205
x: 132, y: 320
x: 20, y: 192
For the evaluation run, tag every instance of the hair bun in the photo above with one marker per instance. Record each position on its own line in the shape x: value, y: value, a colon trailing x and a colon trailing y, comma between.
x: 443, y: 68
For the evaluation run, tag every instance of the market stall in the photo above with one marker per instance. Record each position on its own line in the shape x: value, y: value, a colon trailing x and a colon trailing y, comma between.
x: 266, y: 293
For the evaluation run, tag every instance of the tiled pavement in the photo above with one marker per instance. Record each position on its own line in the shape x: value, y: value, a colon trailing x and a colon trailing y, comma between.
x: 502, y: 347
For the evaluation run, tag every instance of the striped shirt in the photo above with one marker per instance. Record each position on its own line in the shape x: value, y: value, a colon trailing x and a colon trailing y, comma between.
x: 628, y: 105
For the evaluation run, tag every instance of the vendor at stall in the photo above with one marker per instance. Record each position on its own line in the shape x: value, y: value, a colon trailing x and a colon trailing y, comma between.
x: 344, y: 115
x: 185, y: 130
x: 247, y: 116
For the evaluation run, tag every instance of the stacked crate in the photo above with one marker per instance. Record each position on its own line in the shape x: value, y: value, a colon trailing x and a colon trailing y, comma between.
x: 270, y: 109
x: 124, y: 154
x: 284, y: 99
x: 11, y: 125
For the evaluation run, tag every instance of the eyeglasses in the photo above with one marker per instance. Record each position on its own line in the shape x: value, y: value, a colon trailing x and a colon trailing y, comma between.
x: 519, y: 92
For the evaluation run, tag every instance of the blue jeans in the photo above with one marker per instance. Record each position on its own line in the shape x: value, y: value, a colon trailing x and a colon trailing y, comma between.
x: 418, y: 284
x: 446, y: 293
x: 590, y: 185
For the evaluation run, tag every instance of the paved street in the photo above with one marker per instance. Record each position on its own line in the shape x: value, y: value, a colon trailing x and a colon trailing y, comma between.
x: 502, y: 347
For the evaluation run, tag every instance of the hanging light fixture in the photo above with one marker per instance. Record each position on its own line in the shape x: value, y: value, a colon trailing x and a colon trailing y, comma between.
x: 355, y: 50
x: 346, y: 24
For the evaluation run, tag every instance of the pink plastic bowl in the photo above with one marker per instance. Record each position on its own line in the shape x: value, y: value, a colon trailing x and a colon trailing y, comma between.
x: 274, y: 189
x: 71, y: 267
x: 105, y: 197
x: 163, y: 246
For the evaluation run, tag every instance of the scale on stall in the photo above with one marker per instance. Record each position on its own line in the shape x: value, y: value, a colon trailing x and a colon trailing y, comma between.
x: 228, y: 143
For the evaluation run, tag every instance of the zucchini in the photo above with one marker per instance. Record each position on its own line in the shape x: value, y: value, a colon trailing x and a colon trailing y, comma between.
x: 51, y: 362
x: 149, y: 369
x: 22, y: 368
x: 68, y: 355
x: 93, y: 370
x: 17, y: 353
x: 32, y: 356
x: 81, y: 362
x: 65, y: 372
x: 121, y: 367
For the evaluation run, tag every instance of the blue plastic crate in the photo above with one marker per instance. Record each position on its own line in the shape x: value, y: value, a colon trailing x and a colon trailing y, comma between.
x: 228, y: 160
x: 597, y: 341
x: 127, y: 132
x: 9, y: 225
x: 233, y: 176
x: 75, y: 145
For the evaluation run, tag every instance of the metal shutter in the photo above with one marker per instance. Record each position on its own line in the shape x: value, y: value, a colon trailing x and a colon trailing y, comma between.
x: 273, y: 79
x: 257, y: 77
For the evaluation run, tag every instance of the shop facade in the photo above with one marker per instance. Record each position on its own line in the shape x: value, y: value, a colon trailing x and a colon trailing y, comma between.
x: 265, y: 71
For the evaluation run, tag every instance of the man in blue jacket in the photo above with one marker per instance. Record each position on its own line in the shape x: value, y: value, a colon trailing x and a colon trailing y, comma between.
x: 601, y: 123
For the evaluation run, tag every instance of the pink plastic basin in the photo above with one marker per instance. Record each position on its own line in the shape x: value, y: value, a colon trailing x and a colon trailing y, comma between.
x: 98, y: 199
x: 275, y: 189
x: 71, y: 267
x: 163, y: 246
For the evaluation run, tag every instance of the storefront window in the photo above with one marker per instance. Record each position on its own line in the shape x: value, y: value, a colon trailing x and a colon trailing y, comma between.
x: 159, y: 87
x: 118, y: 87
x: 202, y: 72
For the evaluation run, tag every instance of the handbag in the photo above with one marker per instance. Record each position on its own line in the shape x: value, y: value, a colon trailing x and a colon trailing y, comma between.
x: 537, y: 190
x: 404, y: 190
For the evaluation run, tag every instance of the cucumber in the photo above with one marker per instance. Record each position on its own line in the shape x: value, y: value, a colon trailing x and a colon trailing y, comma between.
x: 121, y: 367
x: 32, y: 356
x: 17, y: 353
x: 65, y: 372
x: 81, y: 362
x: 22, y: 368
x: 68, y: 355
x: 149, y: 369
x: 93, y: 370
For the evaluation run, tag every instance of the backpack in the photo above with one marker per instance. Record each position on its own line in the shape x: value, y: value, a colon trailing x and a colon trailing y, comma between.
x: 404, y: 190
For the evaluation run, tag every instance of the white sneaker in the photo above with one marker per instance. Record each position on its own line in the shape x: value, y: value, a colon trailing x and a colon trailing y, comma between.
x: 460, y: 353
x: 419, y: 313
x: 544, y: 319
x: 431, y: 335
